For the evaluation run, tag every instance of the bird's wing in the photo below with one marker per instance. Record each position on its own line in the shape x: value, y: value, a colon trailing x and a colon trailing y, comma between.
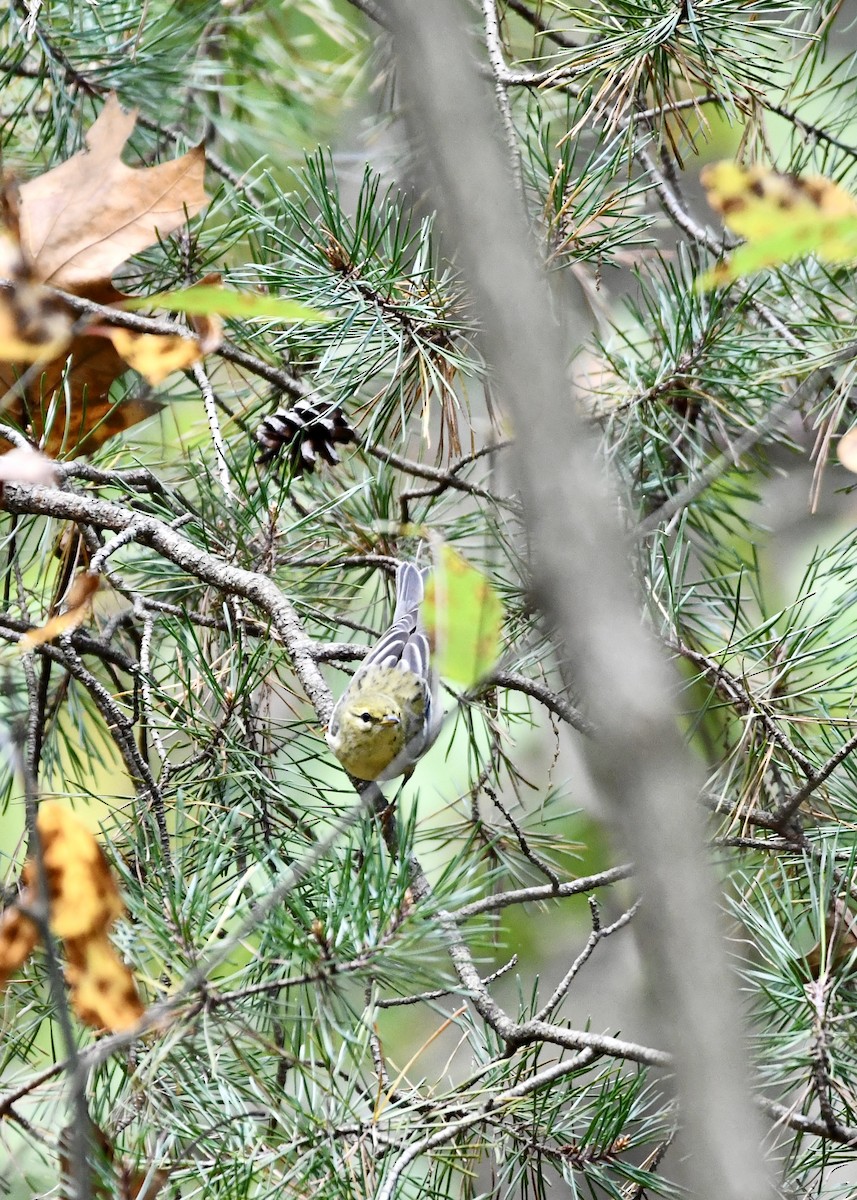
x: 415, y: 654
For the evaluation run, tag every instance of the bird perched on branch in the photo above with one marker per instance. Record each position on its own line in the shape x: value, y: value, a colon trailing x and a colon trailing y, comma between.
x: 383, y: 722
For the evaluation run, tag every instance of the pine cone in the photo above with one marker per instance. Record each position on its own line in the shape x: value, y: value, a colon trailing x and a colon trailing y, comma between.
x: 307, y: 431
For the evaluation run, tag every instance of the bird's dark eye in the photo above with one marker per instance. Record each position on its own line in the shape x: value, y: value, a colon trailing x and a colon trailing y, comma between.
x: 366, y: 718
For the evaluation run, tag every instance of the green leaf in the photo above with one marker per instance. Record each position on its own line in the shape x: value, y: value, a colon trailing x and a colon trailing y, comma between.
x: 832, y: 240
x: 782, y: 216
x: 463, y: 616
x: 207, y: 300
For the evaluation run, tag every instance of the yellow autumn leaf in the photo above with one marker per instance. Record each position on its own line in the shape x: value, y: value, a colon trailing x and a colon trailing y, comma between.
x: 783, y: 217
x: 83, y: 896
x: 19, y: 936
x: 103, y: 991
x: 84, y: 902
x: 155, y: 356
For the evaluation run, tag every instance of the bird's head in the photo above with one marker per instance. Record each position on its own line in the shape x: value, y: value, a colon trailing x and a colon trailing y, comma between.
x: 367, y: 734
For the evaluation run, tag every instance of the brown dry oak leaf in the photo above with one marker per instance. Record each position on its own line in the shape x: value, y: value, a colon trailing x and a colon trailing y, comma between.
x: 76, y: 224
x: 83, y: 219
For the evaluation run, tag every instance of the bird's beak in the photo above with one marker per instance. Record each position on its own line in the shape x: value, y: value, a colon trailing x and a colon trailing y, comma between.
x: 390, y: 719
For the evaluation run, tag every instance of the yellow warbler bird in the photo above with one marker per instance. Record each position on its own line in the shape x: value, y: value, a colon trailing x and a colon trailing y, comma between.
x: 383, y: 721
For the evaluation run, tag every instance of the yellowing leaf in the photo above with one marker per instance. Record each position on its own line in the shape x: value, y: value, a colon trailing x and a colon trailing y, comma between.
x: 155, y: 356
x: 18, y: 938
x: 84, y: 902
x: 203, y: 300
x: 83, y: 896
x: 783, y: 217
x: 463, y: 616
x: 103, y: 992
x: 33, y: 326
x: 72, y: 227
x: 755, y: 201
x: 78, y: 605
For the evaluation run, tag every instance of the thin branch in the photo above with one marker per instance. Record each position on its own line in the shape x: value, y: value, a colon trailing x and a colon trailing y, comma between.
x: 554, y: 703
x: 486, y: 1111
x: 439, y: 993
x: 531, y: 895
x: 741, y: 699
x: 494, y: 44
x: 280, y: 378
x: 122, y: 732
x: 766, y: 424
x: 783, y: 815
x: 204, y: 384
x: 254, y: 587
x: 540, y: 26
x: 846, y: 1135
x: 526, y: 849
x: 443, y: 478
x: 12, y: 630
x: 810, y: 131
x: 598, y: 934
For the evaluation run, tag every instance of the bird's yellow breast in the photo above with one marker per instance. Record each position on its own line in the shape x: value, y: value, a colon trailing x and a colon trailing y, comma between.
x: 369, y: 755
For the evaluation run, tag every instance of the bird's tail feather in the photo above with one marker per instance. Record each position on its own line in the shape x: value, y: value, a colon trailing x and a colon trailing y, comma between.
x: 409, y: 590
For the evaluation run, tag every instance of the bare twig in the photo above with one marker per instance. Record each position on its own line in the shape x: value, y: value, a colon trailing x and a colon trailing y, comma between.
x: 766, y: 424
x: 553, y: 702
x: 599, y: 932
x: 258, y: 589
x: 487, y: 1109
x: 783, y: 815
x: 204, y: 384
x: 538, y: 892
x: 494, y: 45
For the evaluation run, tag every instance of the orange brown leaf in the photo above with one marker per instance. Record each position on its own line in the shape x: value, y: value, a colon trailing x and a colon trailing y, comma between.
x: 84, y: 902
x: 83, y: 896
x: 78, y: 605
x: 18, y: 938
x: 103, y: 991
